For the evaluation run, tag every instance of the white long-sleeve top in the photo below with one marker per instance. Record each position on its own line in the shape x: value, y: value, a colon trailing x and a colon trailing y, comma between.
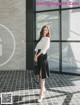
x: 43, y: 44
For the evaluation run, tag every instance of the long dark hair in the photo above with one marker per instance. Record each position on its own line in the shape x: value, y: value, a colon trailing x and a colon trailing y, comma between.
x: 42, y: 30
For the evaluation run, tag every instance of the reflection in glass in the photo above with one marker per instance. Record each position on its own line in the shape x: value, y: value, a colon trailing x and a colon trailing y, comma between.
x: 53, y: 57
x: 70, y: 3
x: 71, y: 57
x: 52, y: 20
x: 46, y: 5
x: 70, y: 24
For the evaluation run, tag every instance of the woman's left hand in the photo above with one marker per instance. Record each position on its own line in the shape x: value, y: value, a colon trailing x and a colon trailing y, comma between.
x: 35, y: 58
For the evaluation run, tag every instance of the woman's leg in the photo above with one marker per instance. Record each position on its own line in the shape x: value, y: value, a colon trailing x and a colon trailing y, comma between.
x: 42, y: 83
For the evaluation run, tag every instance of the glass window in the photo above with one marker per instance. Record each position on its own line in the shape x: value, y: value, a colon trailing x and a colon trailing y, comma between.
x: 46, y: 4
x: 71, y: 24
x: 52, y: 20
x: 70, y: 3
x: 53, y: 56
x: 71, y: 57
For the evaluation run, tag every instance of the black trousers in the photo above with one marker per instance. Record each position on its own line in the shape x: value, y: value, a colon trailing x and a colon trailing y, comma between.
x: 42, y: 64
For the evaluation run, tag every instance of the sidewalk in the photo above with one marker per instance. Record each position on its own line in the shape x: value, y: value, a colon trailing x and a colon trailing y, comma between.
x: 61, y: 89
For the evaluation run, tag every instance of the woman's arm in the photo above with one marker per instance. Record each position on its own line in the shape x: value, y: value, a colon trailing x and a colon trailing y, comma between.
x: 39, y: 54
x: 35, y: 53
x: 45, y: 47
x: 35, y: 56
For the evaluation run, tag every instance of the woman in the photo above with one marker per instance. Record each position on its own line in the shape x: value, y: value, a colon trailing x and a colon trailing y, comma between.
x: 40, y: 57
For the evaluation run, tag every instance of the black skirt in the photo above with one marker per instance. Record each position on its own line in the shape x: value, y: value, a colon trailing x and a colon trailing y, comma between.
x: 42, y: 63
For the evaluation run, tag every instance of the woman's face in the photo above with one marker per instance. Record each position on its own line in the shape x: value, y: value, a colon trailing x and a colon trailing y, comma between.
x: 45, y: 31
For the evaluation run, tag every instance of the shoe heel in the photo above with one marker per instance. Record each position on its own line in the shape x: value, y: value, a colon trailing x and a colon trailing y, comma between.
x: 40, y: 99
